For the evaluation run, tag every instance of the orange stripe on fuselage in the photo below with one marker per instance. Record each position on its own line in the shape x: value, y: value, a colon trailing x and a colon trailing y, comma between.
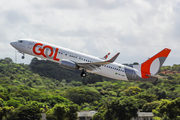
x: 145, y: 67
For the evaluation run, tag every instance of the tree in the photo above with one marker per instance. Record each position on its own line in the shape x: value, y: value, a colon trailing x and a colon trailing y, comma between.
x: 1, y: 113
x: 8, y: 60
x: 62, y: 112
x: 146, y: 85
x: 141, y: 102
x: 146, y: 96
x: 168, y: 109
x: 91, y: 78
x: 12, y: 102
x: 58, y: 112
x: 97, y: 116
x: 79, y: 95
x: 132, y: 91
x: 71, y: 114
x: 148, y: 107
x: 52, y: 100
x: 1, y: 102
x: 123, y: 108
x: 7, y: 111
x: 30, y: 111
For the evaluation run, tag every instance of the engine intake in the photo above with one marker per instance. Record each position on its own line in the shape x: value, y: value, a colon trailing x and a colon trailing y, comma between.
x: 68, y: 64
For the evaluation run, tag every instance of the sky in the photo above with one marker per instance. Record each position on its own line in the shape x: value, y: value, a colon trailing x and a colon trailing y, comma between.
x: 138, y: 29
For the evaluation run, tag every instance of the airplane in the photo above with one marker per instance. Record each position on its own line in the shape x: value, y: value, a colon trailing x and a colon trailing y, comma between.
x: 86, y: 63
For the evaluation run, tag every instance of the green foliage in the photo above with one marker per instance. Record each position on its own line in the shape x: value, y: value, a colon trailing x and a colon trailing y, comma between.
x: 7, y: 111
x: 1, y: 102
x: 76, y: 83
x: 52, y: 100
x: 80, y: 95
x: 62, y: 112
x: 170, y: 110
x: 97, y: 116
x: 91, y: 79
x: 123, y: 108
x: 131, y: 91
x: 148, y: 107
x: 165, y: 68
x: 28, y: 111
x: 72, y: 112
x: 13, y: 102
x: 6, y: 60
x: 141, y: 102
x: 148, y: 97
x: 146, y: 85
x: 43, y: 84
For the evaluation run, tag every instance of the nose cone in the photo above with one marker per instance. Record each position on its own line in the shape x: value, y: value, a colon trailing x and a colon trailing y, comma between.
x: 13, y: 44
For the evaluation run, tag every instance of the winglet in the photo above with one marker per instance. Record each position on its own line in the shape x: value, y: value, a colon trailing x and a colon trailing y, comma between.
x: 113, y: 58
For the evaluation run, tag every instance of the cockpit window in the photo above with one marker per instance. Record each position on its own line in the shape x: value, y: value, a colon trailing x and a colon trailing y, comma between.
x: 20, y: 41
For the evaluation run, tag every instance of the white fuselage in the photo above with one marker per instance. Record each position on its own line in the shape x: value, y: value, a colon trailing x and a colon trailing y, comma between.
x: 56, y: 54
x: 75, y: 60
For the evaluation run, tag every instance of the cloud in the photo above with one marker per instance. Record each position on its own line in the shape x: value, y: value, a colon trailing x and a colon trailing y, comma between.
x: 137, y: 29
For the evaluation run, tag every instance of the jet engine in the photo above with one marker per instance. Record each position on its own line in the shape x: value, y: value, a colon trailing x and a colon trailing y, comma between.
x: 68, y: 64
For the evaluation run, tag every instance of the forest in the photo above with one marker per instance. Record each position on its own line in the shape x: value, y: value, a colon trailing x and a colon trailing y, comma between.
x: 26, y: 91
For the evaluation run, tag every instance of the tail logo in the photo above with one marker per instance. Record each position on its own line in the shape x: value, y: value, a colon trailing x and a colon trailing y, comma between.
x: 152, y: 65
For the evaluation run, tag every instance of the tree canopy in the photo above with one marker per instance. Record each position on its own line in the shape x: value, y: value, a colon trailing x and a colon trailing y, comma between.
x: 44, y: 86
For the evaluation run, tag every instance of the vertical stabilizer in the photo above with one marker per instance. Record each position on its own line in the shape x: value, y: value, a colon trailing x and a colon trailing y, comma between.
x: 153, y: 64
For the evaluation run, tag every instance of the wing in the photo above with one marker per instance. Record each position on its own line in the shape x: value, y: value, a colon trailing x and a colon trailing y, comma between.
x: 96, y: 65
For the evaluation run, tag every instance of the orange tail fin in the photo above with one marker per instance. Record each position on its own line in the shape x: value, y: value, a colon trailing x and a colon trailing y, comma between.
x: 152, y: 65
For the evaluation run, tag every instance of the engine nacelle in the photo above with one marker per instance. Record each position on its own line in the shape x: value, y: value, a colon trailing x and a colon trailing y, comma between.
x: 68, y: 64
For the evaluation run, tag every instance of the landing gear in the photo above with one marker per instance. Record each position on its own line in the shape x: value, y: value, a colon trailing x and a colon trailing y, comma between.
x: 23, y: 54
x: 83, y: 74
x: 23, y: 57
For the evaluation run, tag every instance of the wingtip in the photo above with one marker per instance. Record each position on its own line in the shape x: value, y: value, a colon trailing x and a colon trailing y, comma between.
x: 114, y: 58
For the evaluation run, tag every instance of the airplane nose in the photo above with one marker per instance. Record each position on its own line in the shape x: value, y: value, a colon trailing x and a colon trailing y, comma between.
x: 13, y: 44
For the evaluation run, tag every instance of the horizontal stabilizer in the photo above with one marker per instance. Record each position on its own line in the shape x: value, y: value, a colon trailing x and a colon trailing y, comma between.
x: 157, y: 76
